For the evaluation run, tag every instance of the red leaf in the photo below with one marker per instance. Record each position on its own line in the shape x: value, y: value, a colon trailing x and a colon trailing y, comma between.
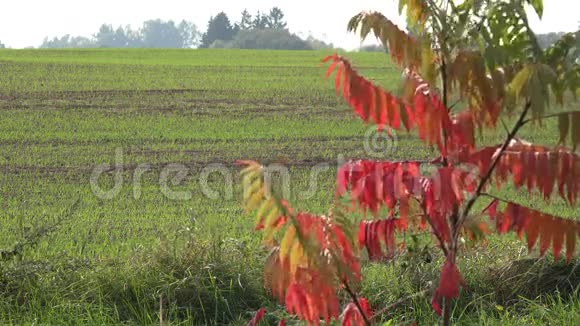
x: 257, y: 317
x: 436, y: 306
x: 533, y: 230
x: 371, y: 102
x: 450, y: 281
x: 337, y: 78
x: 491, y: 209
x: 546, y: 233
x: 558, y: 237
x: 540, y: 168
x: 550, y: 229
x: 571, y: 231
x: 351, y: 315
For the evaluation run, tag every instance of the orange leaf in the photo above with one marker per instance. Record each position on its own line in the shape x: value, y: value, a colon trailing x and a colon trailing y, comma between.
x: 371, y: 103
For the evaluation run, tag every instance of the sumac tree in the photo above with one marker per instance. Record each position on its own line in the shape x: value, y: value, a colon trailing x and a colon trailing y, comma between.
x: 482, y: 57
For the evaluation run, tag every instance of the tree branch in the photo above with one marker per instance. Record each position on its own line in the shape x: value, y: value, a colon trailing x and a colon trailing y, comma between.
x: 487, y: 176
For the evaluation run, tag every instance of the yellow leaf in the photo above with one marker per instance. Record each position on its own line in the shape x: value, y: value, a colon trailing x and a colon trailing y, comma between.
x: 251, y: 183
x: 428, y: 71
x: 249, y: 169
x: 404, y: 49
x: 287, y: 242
x: 296, y: 256
x: 271, y: 217
x: 254, y: 200
x: 264, y: 208
x: 520, y: 81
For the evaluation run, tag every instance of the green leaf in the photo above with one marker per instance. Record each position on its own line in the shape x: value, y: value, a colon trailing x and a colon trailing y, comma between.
x: 564, y: 127
x: 538, y: 6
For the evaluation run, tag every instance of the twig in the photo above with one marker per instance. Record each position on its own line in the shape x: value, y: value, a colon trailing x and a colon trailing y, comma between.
x: 494, y: 197
x: 354, y: 298
x: 552, y: 115
x: 504, y: 125
x: 487, y: 176
x: 454, y: 104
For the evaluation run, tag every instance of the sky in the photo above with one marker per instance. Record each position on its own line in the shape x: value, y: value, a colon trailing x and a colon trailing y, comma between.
x: 26, y: 23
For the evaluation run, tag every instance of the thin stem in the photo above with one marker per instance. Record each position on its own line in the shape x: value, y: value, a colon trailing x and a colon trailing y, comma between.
x: 509, y: 201
x: 494, y: 197
x: 447, y: 252
x: 487, y: 176
x: 504, y: 125
x: 455, y: 103
x: 446, y: 312
x: 444, y: 86
x: 553, y: 115
x: 354, y: 298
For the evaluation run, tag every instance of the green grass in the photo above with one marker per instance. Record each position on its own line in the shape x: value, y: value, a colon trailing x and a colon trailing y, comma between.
x: 63, y: 112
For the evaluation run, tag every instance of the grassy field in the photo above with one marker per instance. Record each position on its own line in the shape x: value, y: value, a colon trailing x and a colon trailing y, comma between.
x: 146, y: 254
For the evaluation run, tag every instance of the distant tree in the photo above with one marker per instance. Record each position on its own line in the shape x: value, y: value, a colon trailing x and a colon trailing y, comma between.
x: 260, y: 21
x: 153, y: 34
x: 161, y: 34
x: 120, y: 39
x: 546, y: 40
x: 218, y: 28
x: 245, y: 21
x: 273, y: 39
x: 317, y: 44
x: 189, y: 34
x: 134, y: 39
x: 2, y: 46
x: 106, y: 36
x: 67, y: 41
x: 275, y: 19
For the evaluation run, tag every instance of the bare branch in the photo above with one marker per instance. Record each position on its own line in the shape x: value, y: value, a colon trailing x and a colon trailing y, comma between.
x: 487, y: 176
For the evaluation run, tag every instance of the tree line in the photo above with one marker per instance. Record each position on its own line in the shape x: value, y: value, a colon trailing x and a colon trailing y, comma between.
x: 153, y: 34
x: 260, y: 31
x: 263, y: 30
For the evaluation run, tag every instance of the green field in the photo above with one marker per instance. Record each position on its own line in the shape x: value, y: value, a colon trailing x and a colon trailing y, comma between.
x: 143, y: 254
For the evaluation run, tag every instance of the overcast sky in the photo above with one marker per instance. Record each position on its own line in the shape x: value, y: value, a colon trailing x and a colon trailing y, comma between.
x: 26, y: 22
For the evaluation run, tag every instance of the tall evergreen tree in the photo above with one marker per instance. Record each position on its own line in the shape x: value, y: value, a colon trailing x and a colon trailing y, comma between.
x: 245, y: 21
x: 260, y: 21
x: 275, y: 19
x: 218, y: 28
